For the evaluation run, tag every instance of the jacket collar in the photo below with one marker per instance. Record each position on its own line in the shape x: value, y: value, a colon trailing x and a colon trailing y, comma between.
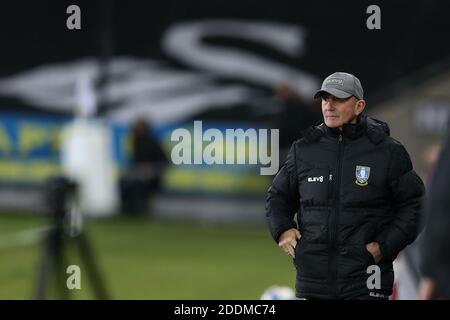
x: 374, y: 129
x: 349, y: 130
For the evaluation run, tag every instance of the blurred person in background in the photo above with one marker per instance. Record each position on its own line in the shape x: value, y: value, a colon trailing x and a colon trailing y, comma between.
x: 356, y: 195
x: 407, y: 264
x: 435, y: 246
x: 141, y: 179
x: 296, y: 115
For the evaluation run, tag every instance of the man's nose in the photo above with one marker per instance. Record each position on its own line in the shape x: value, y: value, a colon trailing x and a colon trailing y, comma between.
x: 329, y: 104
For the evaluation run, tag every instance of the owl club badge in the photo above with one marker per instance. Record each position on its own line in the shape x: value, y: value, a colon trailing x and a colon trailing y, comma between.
x: 362, y: 175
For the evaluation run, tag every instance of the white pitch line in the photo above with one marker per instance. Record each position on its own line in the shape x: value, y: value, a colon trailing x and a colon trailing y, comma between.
x: 22, y: 238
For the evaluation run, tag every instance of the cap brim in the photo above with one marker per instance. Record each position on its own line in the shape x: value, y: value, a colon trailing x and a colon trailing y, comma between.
x: 335, y: 92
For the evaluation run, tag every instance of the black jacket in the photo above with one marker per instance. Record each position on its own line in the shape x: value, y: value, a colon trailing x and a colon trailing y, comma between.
x: 435, y: 246
x: 348, y: 188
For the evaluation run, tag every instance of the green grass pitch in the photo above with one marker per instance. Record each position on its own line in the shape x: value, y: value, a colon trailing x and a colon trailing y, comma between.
x: 140, y: 258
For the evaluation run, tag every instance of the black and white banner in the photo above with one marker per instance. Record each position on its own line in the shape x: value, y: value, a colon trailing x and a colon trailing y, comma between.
x: 172, y: 60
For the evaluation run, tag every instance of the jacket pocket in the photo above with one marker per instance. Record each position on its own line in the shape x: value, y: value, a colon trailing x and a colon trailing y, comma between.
x: 311, y: 260
x: 353, y: 261
x: 296, y: 249
x: 368, y: 255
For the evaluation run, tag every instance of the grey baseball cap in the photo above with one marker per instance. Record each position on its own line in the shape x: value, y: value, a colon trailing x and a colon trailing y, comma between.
x: 341, y: 85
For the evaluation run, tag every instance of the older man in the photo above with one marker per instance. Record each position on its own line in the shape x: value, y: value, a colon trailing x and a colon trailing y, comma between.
x: 356, y: 195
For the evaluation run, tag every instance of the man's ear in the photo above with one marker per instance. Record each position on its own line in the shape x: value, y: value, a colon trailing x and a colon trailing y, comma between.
x: 359, y: 107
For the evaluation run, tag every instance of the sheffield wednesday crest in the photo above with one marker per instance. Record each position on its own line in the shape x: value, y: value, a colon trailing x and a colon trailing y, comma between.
x: 362, y: 175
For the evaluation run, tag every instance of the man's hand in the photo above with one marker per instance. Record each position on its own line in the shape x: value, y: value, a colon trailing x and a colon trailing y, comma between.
x: 288, y: 241
x: 427, y: 289
x: 375, y: 251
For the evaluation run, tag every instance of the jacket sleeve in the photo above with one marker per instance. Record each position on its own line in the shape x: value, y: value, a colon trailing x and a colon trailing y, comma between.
x: 282, y: 200
x: 407, y: 193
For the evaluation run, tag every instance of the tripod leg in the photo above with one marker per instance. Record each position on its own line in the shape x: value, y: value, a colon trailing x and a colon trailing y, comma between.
x: 93, y: 271
x: 45, y: 266
x: 52, y: 263
x: 60, y: 268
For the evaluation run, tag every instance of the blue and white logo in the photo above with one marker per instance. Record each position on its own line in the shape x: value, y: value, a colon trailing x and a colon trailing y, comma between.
x: 362, y: 175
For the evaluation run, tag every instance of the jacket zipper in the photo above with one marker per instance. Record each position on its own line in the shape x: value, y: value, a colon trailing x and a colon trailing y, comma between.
x: 335, y: 217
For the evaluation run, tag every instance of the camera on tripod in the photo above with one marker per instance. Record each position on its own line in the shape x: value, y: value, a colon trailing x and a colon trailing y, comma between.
x: 61, y: 197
